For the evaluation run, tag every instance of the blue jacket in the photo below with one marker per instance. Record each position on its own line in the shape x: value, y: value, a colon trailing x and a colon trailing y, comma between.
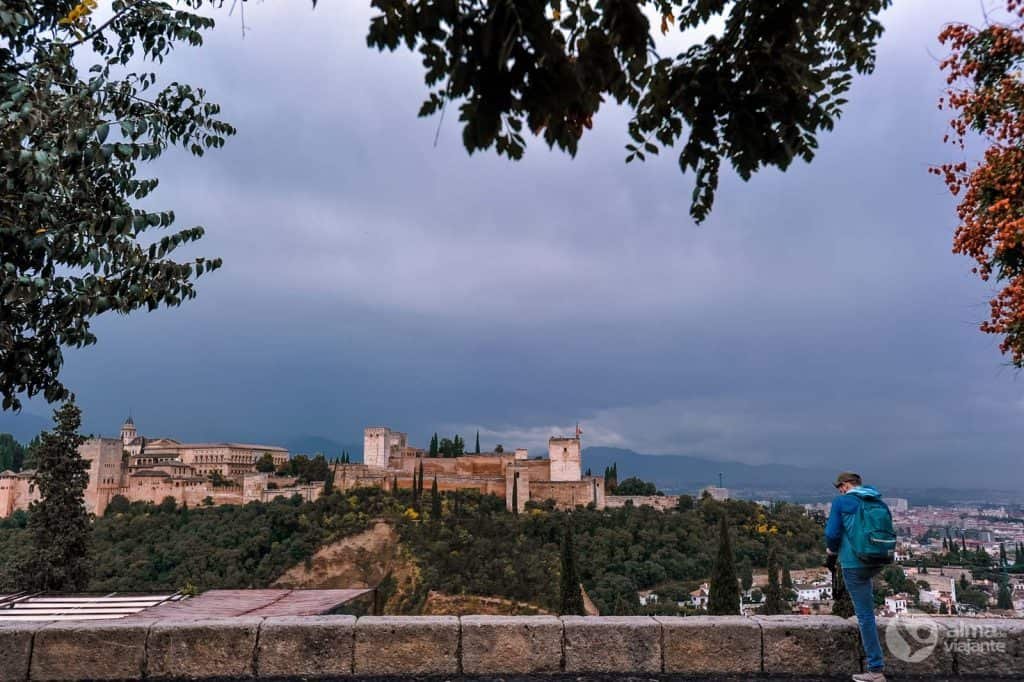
x: 840, y: 519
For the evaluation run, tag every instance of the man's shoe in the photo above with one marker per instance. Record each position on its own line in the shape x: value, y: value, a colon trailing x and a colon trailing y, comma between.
x: 869, y: 677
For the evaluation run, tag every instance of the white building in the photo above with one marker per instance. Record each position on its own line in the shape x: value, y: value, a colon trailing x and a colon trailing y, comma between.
x: 898, y: 504
x: 699, y: 597
x: 715, y: 492
x: 896, y: 605
x: 813, y: 592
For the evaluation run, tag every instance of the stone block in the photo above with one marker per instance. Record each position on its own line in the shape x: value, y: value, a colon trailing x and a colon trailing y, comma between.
x: 407, y: 645
x: 809, y: 645
x: 915, y: 645
x: 612, y: 644
x: 987, y: 646
x: 93, y: 650
x: 711, y: 645
x: 511, y: 644
x: 215, y: 647
x: 306, y: 646
x: 16, y: 649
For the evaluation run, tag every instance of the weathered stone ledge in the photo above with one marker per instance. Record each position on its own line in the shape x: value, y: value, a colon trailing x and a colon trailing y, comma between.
x: 541, y: 647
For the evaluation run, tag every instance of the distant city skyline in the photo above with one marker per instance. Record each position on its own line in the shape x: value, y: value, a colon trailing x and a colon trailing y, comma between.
x: 817, y: 319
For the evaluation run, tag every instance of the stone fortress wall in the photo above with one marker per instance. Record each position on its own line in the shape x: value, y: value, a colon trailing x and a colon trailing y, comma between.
x: 389, y: 460
x: 659, y: 502
x: 489, y: 646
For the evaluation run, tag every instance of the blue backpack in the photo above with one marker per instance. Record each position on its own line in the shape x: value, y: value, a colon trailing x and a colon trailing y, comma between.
x: 872, y: 536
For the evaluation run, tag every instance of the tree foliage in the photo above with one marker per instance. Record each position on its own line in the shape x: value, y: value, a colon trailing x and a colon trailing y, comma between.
x: 571, y: 599
x: 634, y: 486
x: 58, y: 525
x: 724, y: 595
x: 755, y: 93
x: 774, y: 604
x: 986, y: 96
x: 76, y: 123
x: 12, y: 453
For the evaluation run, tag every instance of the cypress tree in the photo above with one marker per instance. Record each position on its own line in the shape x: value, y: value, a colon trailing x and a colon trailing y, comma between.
x: 787, y: 579
x: 1005, y: 599
x: 58, y: 525
x: 515, y: 494
x: 416, y: 487
x: 773, y: 603
x: 724, y: 594
x: 1002, y: 554
x: 746, y: 575
x: 435, y: 501
x: 420, y: 492
x: 478, y: 441
x: 963, y: 543
x: 433, y: 445
x: 842, y: 605
x: 571, y: 598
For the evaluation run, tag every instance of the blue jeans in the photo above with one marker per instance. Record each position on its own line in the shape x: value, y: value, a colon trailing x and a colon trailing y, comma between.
x: 858, y: 584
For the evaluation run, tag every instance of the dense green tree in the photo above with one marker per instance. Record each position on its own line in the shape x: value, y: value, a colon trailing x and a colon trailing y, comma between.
x: 515, y: 494
x: 265, y: 464
x: 611, y: 479
x: 12, y: 454
x: 746, y: 575
x: 434, y: 446
x: 634, y: 486
x: 1002, y: 554
x: 80, y: 123
x: 724, y: 595
x: 31, y: 454
x: 58, y: 525
x: 842, y: 604
x: 435, y: 501
x: 571, y: 602
x: 773, y: 601
x: 477, y: 449
x: 755, y: 93
x: 1004, y: 598
x: 964, y: 584
x: 118, y: 504
x: 787, y: 579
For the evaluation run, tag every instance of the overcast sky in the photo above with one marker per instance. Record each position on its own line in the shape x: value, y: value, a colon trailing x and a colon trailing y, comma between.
x: 371, y: 277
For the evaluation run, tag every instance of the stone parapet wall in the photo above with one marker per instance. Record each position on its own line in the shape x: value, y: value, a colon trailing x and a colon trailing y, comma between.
x: 660, y: 502
x: 386, y: 646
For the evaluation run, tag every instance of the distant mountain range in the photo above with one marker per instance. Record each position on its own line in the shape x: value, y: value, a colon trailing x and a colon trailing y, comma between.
x: 682, y: 474
x: 310, y: 445
x: 24, y: 426
x: 685, y: 474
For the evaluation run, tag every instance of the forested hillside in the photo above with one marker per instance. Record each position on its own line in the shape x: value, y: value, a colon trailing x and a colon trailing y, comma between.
x: 475, y: 547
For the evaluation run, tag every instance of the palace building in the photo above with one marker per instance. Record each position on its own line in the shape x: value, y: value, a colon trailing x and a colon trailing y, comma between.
x: 151, y: 470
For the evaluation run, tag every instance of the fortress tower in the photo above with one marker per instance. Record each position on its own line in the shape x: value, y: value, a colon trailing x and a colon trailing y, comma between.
x: 376, y: 446
x: 564, y: 454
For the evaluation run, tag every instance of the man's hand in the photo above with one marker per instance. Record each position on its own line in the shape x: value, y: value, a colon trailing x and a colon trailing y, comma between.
x: 830, y: 561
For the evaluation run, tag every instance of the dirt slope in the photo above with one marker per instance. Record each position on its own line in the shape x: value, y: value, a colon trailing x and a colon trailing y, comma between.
x: 356, y: 561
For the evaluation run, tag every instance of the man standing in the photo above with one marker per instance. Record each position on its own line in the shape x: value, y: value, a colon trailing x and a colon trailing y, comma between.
x: 841, y: 537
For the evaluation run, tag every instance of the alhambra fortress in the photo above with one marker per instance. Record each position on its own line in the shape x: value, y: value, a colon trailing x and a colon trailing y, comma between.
x: 151, y: 470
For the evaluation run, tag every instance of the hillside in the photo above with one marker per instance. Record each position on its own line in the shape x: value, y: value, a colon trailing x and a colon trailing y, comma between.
x: 473, y: 550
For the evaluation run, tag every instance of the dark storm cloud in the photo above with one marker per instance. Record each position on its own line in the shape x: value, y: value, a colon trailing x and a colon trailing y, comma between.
x: 373, y: 277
